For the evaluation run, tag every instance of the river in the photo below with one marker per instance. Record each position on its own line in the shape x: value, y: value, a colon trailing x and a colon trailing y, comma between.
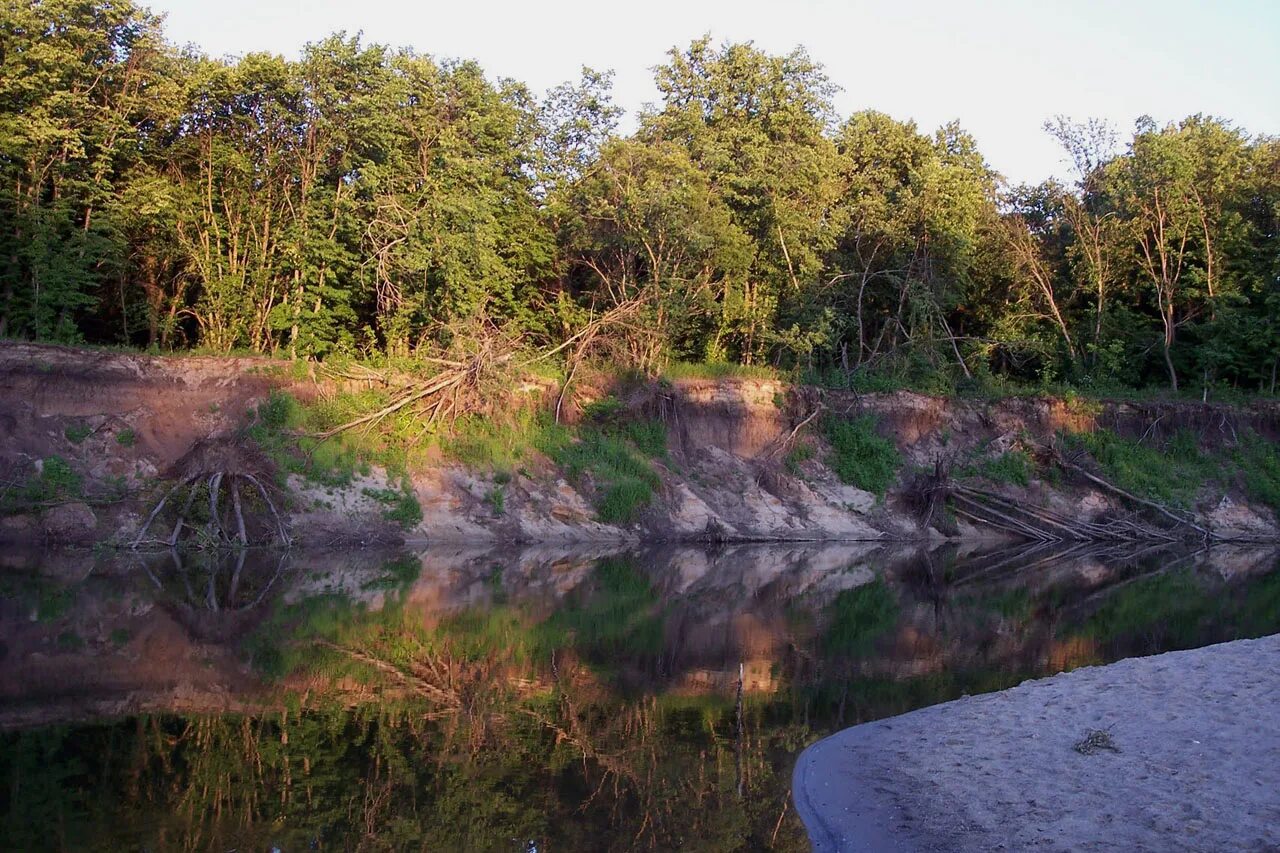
x: 528, y: 699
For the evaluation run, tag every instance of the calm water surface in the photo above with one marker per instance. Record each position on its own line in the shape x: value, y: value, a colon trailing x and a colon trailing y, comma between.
x: 547, y: 699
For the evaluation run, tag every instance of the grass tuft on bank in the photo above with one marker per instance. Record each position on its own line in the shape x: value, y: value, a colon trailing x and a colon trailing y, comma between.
x: 860, y: 455
x: 1171, y: 475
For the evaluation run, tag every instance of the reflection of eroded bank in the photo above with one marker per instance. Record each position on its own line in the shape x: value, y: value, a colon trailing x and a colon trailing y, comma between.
x: 468, y: 698
x: 84, y: 637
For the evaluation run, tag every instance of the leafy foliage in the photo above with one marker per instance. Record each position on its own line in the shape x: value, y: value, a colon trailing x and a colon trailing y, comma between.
x: 1259, y: 460
x: 1171, y: 475
x: 860, y: 455
x: 362, y: 200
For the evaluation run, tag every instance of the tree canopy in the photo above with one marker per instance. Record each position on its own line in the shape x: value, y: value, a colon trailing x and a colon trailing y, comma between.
x: 363, y: 199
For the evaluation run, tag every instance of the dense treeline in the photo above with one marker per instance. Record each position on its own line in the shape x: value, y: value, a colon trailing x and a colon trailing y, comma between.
x: 363, y: 199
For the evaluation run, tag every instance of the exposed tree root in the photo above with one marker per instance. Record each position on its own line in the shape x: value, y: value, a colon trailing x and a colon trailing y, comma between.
x: 222, y: 470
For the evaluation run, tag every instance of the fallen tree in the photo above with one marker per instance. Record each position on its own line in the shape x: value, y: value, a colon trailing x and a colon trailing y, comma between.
x: 932, y: 494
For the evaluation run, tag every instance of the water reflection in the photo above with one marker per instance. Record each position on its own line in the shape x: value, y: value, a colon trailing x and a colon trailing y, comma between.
x: 564, y: 698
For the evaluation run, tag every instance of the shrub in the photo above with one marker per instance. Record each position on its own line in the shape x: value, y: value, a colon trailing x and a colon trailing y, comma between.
x: 126, y: 437
x: 76, y: 433
x: 860, y: 455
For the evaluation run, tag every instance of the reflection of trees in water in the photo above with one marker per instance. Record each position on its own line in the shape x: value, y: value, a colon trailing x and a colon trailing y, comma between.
x: 485, y: 728
x: 569, y: 768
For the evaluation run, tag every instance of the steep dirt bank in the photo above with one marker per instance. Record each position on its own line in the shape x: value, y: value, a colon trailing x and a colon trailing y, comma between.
x: 89, y: 440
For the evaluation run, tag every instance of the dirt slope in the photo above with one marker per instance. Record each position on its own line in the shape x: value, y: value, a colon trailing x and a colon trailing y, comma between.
x: 121, y: 422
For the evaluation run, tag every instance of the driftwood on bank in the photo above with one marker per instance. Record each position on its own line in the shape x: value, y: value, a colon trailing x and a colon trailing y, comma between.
x: 465, y: 385
x: 1147, y: 521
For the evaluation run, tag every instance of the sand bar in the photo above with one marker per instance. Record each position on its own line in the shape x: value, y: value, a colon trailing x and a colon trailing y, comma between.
x: 1198, y: 766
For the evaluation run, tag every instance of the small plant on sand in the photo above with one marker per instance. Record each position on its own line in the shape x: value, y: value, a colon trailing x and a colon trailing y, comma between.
x: 860, y: 455
x: 1095, y: 741
x: 126, y: 437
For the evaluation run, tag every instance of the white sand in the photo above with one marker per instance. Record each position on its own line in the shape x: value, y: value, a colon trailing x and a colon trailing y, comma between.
x: 1199, y: 767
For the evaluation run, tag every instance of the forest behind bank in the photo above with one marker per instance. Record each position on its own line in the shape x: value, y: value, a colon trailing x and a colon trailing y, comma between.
x: 373, y: 201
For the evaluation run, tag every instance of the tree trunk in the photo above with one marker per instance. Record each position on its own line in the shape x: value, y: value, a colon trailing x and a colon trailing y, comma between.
x: 1168, y: 362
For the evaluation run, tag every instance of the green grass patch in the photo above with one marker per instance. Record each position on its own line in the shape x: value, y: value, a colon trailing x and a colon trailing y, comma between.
x: 284, y: 429
x: 608, y: 447
x: 718, y: 370
x: 498, y: 446
x: 1014, y: 467
x: 649, y: 437
x: 624, y: 479
x: 56, y: 482
x: 399, y: 505
x: 76, y: 433
x: 860, y: 455
x: 497, y: 499
x: 1173, y: 475
x: 1259, y: 460
x: 126, y: 437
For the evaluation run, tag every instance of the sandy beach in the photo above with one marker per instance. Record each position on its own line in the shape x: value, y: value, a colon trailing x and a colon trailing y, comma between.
x: 1184, y: 756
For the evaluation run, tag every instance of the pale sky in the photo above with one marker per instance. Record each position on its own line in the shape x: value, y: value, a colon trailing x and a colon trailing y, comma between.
x: 1001, y: 67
